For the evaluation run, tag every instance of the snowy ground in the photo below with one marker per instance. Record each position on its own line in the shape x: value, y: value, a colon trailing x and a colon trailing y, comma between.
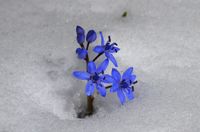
x: 160, y: 38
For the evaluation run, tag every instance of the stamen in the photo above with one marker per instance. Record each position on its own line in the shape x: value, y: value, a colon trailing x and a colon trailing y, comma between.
x: 133, y: 88
x: 109, y: 39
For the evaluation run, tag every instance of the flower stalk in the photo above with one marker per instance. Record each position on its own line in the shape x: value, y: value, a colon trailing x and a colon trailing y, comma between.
x: 90, y: 99
x: 90, y: 108
x: 97, y: 56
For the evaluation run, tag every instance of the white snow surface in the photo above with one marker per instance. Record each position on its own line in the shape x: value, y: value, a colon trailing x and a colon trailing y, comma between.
x: 159, y: 38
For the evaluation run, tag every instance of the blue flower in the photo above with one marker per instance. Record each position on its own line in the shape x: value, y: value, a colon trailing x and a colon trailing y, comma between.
x: 108, y: 49
x: 82, y: 53
x: 91, y: 36
x: 94, y: 77
x: 123, y: 85
x: 80, y: 34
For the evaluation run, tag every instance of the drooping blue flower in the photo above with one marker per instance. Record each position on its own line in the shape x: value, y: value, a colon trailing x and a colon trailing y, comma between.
x: 80, y: 34
x: 91, y: 36
x: 81, y: 52
x: 123, y: 85
x: 107, y: 48
x: 94, y: 77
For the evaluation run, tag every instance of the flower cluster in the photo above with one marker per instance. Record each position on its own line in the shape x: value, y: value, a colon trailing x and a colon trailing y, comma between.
x: 95, y: 76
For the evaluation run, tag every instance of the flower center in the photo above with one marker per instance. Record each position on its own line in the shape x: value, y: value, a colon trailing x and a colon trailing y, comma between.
x: 107, y: 47
x: 123, y: 84
x: 95, y: 77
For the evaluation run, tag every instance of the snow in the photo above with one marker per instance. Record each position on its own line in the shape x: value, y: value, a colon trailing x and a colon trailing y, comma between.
x: 160, y: 39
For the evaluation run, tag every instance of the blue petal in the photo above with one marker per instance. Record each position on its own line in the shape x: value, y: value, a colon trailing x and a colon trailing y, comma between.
x: 101, y: 89
x: 89, y: 90
x: 78, y: 50
x: 98, y: 49
x: 111, y: 58
x: 115, y: 87
x: 121, y: 96
x: 91, y: 36
x: 80, y: 30
x: 102, y: 39
x: 116, y: 75
x: 80, y: 38
x: 127, y: 73
x: 129, y: 93
x: 116, y: 49
x: 81, y: 75
x: 81, y: 53
x: 91, y: 67
x: 107, y: 78
x: 102, y: 67
x: 133, y: 78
